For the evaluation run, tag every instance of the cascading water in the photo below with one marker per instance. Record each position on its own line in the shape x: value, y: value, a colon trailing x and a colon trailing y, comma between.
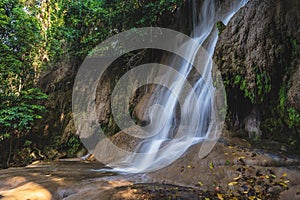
x: 185, y: 108
x: 162, y: 148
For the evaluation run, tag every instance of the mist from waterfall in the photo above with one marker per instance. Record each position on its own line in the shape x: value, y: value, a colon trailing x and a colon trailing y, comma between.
x: 173, y: 131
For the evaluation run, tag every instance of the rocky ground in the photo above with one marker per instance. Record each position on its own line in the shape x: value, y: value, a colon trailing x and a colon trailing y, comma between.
x: 235, y: 169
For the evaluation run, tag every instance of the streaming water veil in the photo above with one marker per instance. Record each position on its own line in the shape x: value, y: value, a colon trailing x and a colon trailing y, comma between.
x: 197, y: 118
x: 185, y: 108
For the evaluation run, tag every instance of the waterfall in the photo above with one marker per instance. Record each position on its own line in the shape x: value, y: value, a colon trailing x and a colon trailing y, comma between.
x: 163, y: 147
x: 184, y: 108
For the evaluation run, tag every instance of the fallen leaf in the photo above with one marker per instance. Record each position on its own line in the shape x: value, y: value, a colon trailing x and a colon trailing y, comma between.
x: 284, y: 174
x: 211, y: 165
x: 232, y: 183
x: 273, y: 176
x: 237, y: 178
x: 283, y: 184
x: 267, y: 176
x: 220, y: 196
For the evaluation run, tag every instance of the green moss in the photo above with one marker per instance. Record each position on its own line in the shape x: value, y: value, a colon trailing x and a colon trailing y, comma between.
x: 289, y: 115
x: 282, y: 100
x: 295, y: 47
x: 73, y: 145
x: 262, y: 87
x: 237, y: 79
x: 293, y: 118
x: 272, y: 125
x: 220, y: 26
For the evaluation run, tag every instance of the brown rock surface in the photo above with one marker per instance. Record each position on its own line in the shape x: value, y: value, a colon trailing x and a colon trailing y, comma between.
x: 258, y: 54
x: 232, y: 160
x: 294, y: 91
x: 222, y: 165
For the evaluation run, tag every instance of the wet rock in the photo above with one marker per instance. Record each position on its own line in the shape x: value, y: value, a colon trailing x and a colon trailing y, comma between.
x: 232, y: 161
x: 292, y: 193
x: 252, y: 124
x: 232, y: 164
x: 29, y: 190
x: 50, y: 180
x: 257, y: 55
x: 294, y: 91
x: 125, y: 139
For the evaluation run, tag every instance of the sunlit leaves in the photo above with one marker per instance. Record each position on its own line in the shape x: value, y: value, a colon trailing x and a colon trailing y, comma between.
x: 20, y: 43
x: 19, y: 112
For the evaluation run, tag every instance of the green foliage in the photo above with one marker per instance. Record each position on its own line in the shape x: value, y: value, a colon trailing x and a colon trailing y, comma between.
x: 21, y: 100
x: 243, y: 86
x: 295, y: 47
x: 293, y: 118
x: 262, y: 85
x: 272, y: 125
x: 19, y: 112
x: 18, y: 48
x: 282, y: 100
x: 27, y: 143
x: 87, y: 23
x: 220, y: 26
x: 4, y: 136
x: 73, y: 145
x: 287, y: 115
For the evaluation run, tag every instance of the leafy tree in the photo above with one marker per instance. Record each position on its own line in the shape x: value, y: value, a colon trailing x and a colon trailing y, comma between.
x: 20, y: 99
x: 87, y: 23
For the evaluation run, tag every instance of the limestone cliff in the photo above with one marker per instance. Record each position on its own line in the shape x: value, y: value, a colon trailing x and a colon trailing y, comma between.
x: 258, y: 55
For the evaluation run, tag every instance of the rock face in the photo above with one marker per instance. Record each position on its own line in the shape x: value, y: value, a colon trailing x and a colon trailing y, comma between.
x: 57, y: 82
x: 294, y: 91
x: 258, y: 55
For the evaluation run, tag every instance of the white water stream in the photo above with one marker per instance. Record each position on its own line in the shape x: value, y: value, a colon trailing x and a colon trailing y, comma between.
x: 163, y: 147
x: 185, y: 109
